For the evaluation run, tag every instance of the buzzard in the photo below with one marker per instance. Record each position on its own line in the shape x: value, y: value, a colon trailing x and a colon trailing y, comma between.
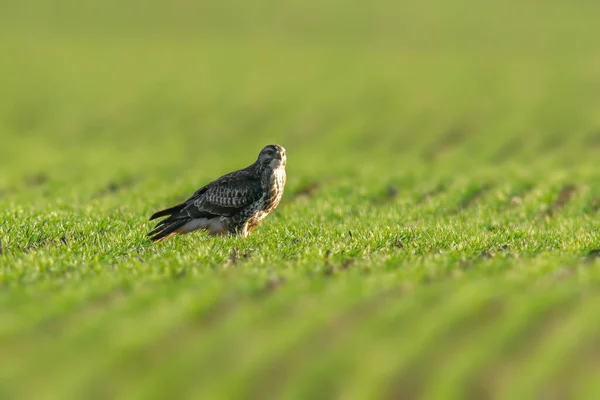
x: 233, y: 204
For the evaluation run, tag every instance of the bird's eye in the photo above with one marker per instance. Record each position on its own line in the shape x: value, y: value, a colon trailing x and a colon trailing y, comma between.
x: 269, y: 152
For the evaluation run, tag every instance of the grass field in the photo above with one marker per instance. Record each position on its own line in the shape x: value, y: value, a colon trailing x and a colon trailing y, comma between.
x: 440, y: 232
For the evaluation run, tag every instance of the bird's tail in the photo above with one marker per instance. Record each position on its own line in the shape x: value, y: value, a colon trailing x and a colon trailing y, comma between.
x: 169, y: 226
x: 166, y: 229
x: 168, y: 211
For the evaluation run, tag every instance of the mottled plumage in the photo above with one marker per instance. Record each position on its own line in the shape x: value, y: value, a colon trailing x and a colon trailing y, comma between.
x: 233, y: 204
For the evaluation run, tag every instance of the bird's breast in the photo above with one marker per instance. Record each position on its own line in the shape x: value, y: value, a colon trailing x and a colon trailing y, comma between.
x: 275, y: 189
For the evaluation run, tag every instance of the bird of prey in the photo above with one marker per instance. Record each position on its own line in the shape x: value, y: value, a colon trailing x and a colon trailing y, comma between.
x: 233, y: 204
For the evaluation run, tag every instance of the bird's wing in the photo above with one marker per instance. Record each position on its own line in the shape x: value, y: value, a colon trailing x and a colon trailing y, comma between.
x: 225, y: 196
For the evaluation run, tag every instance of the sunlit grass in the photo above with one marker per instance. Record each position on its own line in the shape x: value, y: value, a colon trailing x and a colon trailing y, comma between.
x: 439, y: 236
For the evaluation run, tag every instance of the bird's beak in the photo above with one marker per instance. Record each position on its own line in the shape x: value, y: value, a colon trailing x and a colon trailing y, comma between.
x: 278, y: 161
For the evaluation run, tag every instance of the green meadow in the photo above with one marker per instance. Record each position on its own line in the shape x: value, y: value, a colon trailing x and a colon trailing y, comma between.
x: 439, y: 236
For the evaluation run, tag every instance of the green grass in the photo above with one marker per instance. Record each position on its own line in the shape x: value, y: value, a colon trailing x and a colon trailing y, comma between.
x: 439, y: 236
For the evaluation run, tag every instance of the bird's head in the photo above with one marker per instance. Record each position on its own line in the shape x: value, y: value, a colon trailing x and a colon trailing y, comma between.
x: 273, y: 156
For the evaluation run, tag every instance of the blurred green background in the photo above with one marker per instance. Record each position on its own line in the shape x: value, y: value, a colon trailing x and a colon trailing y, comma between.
x: 439, y: 233
x: 115, y: 80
